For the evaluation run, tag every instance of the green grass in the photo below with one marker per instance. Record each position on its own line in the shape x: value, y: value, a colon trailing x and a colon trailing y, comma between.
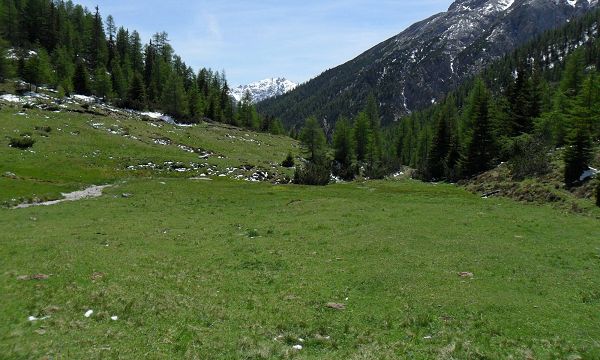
x: 228, y: 269
x: 80, y: 150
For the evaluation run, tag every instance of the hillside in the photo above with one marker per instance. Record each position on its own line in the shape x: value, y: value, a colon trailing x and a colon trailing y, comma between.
x: 420, y: 65
x: 78, y: 144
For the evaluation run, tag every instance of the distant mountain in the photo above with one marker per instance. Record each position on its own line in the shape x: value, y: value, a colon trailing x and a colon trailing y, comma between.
x: 420, y: 65
x: 264, y: 89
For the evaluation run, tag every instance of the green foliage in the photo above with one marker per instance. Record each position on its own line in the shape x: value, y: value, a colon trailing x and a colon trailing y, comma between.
x: 374, y: 168
x: 38, y: 70
x: 343, y: 144
x: 81, y: 79
x: 362, y: 134
x: 5, y: 68
x: 136, y: 95
x: 440, y: 163
x: 174, y: 99
x: 313, y: 140
x: 480, y: 150
x: 288, y: 162
x: 529, y: 157
x: 317, y: 169
x: 87, y: 60
x: 22, y: 142
x: 102, y: 84
x: 313, y: 173
x: 578, y: 153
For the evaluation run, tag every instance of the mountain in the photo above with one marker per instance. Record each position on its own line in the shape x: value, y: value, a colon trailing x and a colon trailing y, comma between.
x: 417, y: 67
x: 264, y: 89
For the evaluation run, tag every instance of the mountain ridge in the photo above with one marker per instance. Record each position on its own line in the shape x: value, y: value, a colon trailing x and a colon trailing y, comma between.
x: 264, y: 89
x: 421, y: 64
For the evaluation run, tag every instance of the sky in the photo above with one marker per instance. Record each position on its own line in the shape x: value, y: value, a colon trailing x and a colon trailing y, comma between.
x: 260, y: 39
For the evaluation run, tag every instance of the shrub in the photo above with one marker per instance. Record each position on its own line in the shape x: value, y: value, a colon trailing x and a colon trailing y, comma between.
x: 528, y: 157
x: 313, y: 173
x: 21, y: 143
x: 289, y: 161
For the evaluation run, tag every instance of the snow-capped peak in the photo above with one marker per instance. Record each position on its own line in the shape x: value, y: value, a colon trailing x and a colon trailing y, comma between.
x: 264, y: 89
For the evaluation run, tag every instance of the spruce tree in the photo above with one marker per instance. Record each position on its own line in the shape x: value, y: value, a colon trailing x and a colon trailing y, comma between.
x: 81, y: 79
x: 343, y: 145
x: 440, y: 147
x: 362, y: 134
x: 5, y: 69
x: 316, y: 171
x: 578, y: 153
x: 480, y: 149
x: 136, y: 95
x: 374, y: 155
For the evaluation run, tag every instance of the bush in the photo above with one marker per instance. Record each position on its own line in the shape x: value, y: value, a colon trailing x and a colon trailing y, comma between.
x: 528, y: 157
x: 289, y: 161
x: 21, y: 143
x: 313, y: 174
x: 598, y: 193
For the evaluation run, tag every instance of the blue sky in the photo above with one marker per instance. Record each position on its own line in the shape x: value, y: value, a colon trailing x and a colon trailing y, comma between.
x: 254, y: 40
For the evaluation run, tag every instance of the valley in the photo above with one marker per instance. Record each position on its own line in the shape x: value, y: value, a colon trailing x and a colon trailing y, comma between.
x: 438, y: 197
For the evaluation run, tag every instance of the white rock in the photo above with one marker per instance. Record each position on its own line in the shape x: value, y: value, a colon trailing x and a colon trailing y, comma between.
x: 88, y: 313
x: 297, y: 347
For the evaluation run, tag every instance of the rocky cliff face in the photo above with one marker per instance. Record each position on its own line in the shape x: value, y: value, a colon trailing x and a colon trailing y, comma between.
x: 424, y: 62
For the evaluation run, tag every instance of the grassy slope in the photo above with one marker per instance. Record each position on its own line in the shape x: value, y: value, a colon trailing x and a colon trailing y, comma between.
x: 177, y: 264
x: 76, y: 153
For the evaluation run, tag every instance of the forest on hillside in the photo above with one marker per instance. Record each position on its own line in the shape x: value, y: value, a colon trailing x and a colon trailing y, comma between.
x: 544, y: 95
x: 67, y: 47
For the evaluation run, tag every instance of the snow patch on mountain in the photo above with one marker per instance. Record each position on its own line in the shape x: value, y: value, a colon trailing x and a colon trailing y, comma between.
x: 264, y: 89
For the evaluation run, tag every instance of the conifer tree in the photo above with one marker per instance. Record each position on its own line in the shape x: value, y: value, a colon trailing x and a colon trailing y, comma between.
x: 174, y: 99
x: 374, y: 155
x: 440, y: 145
x: 64, y: 68
x: 195, y: 103
x: 5, y: 69
x: 136, y: 95
x: 480, y: 149
x: 573, y: 75
x: 578, y: 153
x: 317, y: 170
x: 313, y: 140
x: 38, y: 70
x: 362, y: 134
x: 102, y: 83
x: 119, y: 81
x: 520, y: 104
x: 97, y: 46
x: 81, y: 79
x: 343, y: 145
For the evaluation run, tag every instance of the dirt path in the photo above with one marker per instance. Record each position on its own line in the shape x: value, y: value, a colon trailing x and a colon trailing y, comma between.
x: 91, y: 192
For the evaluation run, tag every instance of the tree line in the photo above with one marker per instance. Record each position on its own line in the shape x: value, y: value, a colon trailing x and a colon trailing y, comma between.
x: 65, y: 46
